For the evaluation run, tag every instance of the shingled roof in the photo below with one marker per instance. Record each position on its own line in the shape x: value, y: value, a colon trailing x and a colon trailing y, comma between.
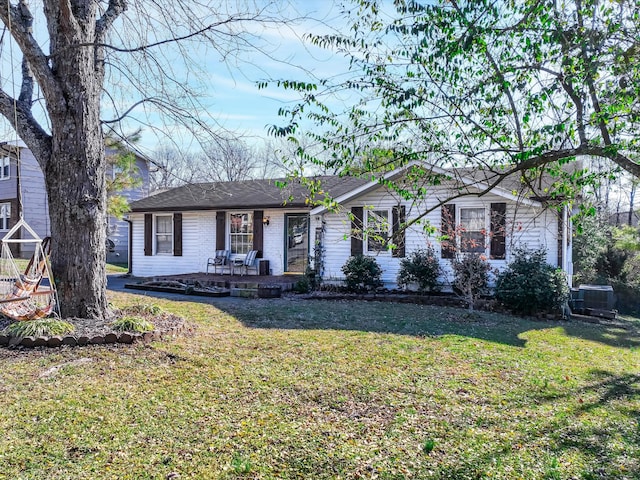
x: 241, y: 194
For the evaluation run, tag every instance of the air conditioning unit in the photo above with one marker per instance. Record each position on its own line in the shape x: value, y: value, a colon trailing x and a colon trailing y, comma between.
x: 598, y: 297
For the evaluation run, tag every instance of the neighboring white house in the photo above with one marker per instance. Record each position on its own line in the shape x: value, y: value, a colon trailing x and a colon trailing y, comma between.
x: 176, y: 231
x: 22, y: 191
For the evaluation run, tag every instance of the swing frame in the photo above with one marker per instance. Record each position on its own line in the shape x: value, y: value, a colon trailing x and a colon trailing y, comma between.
x: 31, y: 286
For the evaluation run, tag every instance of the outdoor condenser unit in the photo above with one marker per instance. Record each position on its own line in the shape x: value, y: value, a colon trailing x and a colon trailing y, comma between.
x: 598, y: 297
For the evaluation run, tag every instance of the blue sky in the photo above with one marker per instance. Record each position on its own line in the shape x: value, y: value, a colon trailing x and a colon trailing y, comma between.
x: 231, y: 95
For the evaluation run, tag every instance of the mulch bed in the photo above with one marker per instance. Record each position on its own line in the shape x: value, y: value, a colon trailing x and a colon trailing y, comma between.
x: 442, y: 300
x: 99, y: 332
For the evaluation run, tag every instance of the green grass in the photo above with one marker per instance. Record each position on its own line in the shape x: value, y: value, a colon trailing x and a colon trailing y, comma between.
x: 308, y: 389
x: 22, y: 263
x: 117, y: 268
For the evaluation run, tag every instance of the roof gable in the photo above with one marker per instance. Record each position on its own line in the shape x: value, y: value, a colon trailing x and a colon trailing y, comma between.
x: 462, y: 178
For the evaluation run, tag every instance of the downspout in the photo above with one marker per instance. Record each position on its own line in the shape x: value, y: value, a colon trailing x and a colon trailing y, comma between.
x: 130, y: 243
x: 566, y: 245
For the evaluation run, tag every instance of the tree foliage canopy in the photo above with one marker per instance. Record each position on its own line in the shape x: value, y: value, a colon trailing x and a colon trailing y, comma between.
x: 514, y: 86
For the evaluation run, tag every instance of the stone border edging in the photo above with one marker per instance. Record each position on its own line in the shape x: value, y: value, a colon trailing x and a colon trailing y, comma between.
x: 79, y: 341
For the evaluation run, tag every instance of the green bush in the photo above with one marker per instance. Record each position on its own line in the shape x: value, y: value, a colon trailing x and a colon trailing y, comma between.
x: 132, y: 324
x: 530, y: 285
x: 471, y: 277
x: 421, y: 267
x: 143, y: 309
x: 302, y: 286
x: 42, y: 327
x: 362, y: 273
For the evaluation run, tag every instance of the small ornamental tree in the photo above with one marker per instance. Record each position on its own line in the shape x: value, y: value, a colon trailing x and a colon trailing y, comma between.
x: 421, y: 267
x: 530, y: 285
x: 471, y: 277
x: 362, y: 273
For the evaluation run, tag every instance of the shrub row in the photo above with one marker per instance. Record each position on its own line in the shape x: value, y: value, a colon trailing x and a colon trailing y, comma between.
x: 528, y: 285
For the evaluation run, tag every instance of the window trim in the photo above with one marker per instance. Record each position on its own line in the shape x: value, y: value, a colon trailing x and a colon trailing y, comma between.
x: 483, y: 230
x: 7, y: 218
x: 385, y: 250
x: 228, y: 230
x: 6, y: 159
x: 156, y: 234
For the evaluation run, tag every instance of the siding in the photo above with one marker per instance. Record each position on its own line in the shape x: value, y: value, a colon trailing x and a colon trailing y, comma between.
x: 8, y: 186
x: 34, y: 197
x: 194, y: 228
x: 533, y: 227
x: 199, y: 243
x: 36, y: 207
x: 526, y: 226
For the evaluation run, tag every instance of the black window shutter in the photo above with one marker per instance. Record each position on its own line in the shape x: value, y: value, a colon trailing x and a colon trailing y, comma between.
x: 399, y: 218
x: 258, y: 230
x: 177, y: 234
x: 448, y: 229
x: 560, y: 240
x: 148, y: 234
x: 356, y: 231
x: 498, y: 231
x: 220, y: 231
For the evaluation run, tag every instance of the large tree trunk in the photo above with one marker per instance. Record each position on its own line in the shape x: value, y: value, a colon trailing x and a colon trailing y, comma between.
x: 70, y: 77
x: 75, y: 172
x: 77, y: 205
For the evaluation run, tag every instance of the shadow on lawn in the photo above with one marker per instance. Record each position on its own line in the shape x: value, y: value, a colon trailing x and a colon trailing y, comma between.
x: 421, y: 320
x: 602, y: 438
x: 378, y: 317
x: 405, y: 319
x: 616, y: 333
x: 609, y: 442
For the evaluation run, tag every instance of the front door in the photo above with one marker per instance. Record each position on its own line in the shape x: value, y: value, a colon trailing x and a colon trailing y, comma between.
x: 296, y: 242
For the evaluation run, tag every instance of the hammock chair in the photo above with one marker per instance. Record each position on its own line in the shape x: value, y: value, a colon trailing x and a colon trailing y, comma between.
x: 32, y: 294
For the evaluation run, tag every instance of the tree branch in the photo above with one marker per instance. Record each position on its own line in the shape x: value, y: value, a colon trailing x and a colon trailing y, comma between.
x: 114, y: 10
x: 19, y: 21
x: 160, y: 43
x: 29, y: 130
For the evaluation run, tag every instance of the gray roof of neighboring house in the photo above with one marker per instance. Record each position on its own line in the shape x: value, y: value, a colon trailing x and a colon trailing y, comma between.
x: 242, y: 194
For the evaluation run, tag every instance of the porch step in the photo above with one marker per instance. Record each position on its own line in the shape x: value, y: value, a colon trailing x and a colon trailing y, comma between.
x: 244, y: 292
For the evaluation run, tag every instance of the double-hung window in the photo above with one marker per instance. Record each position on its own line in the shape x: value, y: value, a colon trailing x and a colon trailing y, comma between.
x: 473, y: 230
x: 164, y: 234
x: 241, y: 232
x: 378, y: 224
x: 5, y: 168
x: 5, y: 215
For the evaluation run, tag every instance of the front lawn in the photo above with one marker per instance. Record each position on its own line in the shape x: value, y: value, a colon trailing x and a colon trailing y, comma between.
x: 321, y: 389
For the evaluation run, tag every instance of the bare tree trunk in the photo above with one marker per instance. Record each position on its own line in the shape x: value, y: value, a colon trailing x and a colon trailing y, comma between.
x: 74, y: 166
x: 77, y: 205
x: 75, y: 173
